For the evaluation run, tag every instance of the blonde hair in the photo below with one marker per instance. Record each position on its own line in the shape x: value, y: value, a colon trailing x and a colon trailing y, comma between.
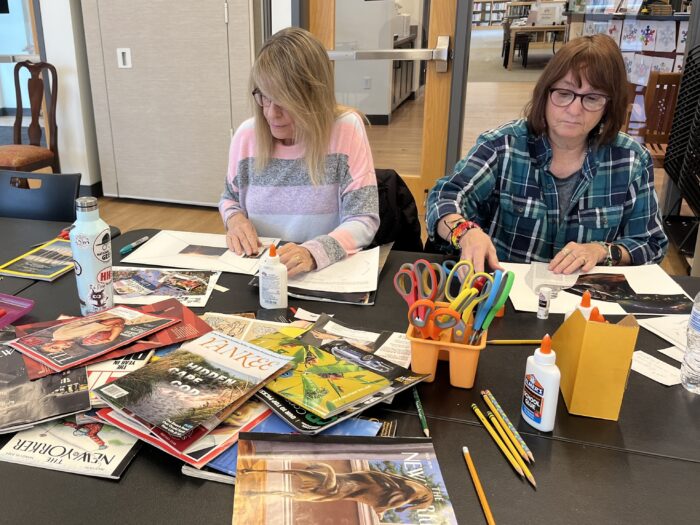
x: 293, y: 69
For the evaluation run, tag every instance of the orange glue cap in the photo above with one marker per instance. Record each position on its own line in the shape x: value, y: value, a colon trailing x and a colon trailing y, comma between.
x: 273, y: 253
x: 586, y: 299
x: 596, y: 316
x: 546, y: 346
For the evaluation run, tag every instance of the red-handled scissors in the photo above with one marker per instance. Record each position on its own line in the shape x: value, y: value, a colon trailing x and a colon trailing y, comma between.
x: 430, y: 320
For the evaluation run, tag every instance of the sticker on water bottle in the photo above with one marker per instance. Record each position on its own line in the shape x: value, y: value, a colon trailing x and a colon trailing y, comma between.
x: 78, y: 268
x: 82, y: 241
x: 102, y: 247
x: 104, y: 276
x: 97, y: 296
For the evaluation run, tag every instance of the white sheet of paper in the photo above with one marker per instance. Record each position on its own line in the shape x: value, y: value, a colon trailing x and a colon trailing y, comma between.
x: 357, y: 273
x: 644, y: 279
x: 397, y: 349
x: 164, y: 249
x: 674, y: 353
x: 305, y: 315
x: 672, y: 328
x: 655, y: 369
x: 539, y: 275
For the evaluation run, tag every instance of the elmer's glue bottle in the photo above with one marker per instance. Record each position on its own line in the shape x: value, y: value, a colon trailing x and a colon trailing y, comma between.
x: 273, y: 281
x: 541, y: 389
x: 584, y: 307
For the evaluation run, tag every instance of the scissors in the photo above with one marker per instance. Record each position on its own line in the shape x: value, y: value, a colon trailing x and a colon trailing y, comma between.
x: 425, y: 281
x: 465, y: 303
x: 500, y: 295
x: 430, y: 320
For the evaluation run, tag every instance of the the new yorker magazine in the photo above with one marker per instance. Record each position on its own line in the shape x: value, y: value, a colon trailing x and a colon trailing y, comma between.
x: 94, y: 449
x: 298, y: 479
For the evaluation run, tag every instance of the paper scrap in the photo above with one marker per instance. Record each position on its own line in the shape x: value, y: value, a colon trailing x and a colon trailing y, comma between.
x: 655, y: 369
x: 397, y: 349
x: 220, y: 288
x: 672, y: 328
x: 305, y: 315
x: 674, y: 353
x: 357, y: 273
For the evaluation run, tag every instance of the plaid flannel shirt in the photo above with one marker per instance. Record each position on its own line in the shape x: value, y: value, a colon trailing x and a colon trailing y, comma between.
x: 505, y: 186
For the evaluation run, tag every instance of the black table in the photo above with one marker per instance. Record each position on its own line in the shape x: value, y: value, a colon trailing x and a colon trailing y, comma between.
x: 19, y: 236
x: 639, y: 469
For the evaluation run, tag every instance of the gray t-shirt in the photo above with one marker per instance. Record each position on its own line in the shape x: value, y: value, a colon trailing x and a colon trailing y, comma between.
x: 565, y: 190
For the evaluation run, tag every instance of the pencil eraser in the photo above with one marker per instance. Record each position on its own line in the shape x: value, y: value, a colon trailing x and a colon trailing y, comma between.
x: 2, y: 312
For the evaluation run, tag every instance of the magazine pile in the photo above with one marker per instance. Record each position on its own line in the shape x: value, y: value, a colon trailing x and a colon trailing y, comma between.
x: 176, y: 403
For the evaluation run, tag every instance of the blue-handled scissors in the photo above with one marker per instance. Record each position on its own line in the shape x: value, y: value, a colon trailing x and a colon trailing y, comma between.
x: 465, y: 303
x: 500, y: 295
x: 430, y: 320
x: 483, y: 309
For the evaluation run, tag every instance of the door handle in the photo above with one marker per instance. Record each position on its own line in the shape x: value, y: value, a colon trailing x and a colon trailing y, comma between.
x: 440, y: 55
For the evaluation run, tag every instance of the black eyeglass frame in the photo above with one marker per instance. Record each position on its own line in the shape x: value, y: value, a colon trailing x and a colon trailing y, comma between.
x: 260, y: 98
x: 578, y: 95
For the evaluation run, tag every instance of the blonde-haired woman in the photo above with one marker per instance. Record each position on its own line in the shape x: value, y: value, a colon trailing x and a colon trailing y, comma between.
x: 301, y: 169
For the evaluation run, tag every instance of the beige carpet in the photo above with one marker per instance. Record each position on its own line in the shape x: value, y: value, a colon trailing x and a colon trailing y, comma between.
x: 486, y: 63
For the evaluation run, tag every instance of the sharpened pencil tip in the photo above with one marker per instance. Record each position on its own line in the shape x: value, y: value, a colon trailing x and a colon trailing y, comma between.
x: 426, y: 432
x: 532, y: 480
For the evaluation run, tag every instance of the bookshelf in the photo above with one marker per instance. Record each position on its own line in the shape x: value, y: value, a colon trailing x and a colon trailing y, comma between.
x: 488, y: 13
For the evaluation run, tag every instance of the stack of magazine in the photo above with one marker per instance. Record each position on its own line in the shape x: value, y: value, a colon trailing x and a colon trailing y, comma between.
x: 176, y: 402
x: 338, y: 372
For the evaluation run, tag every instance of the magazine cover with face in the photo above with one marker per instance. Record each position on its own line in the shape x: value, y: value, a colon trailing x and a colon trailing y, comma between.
x: 297, y: 479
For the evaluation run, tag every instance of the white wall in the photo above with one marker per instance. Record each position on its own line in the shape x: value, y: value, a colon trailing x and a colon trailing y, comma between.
x: 281, y: 14
x: 64, y: 43
x: 364, y: 25
x: 15, y: 39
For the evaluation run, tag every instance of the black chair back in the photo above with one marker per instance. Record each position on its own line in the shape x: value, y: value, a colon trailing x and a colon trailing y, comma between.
x: 49, y: 197
x: 398, y: 214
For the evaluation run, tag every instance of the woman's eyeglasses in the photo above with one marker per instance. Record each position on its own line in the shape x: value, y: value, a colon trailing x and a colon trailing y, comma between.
x: 590, y: 101
x: 260, y: 99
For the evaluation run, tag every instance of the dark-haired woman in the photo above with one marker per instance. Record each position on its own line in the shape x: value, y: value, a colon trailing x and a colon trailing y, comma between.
x: 563, y: 185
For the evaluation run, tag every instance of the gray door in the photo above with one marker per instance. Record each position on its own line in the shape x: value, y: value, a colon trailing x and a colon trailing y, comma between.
x: 164, y: 110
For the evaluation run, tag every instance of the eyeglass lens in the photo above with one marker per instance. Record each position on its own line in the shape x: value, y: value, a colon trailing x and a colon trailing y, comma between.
x: 590, y: 101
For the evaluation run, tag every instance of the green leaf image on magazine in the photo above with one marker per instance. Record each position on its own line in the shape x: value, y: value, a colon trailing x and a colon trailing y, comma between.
x: 320, y: 382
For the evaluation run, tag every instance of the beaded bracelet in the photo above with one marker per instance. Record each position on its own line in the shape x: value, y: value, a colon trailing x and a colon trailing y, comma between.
x: 460, y: 230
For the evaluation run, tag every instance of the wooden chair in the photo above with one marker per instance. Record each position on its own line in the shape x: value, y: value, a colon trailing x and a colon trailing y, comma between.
x: 49, y: 197
x: 660, y: 99
x: 33, y: 156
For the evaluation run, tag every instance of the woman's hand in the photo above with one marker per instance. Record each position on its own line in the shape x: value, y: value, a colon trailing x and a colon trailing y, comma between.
x: 296, y: 258
x: 576, y: 257
x: 478, y: 248
x: 241, y: 236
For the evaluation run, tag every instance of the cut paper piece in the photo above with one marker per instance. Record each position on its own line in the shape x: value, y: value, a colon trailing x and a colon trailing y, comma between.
x: 630, y: 38
x: 196, y: 251
x: 678, y: 65
x: 672, y: 328
x: 641, y: 67
x: 647, y: 35
x: 592, y: 27
x: 628, y: 59
x: 662, y: 65
x: 665, y: 36
x: 674, y: 353
x: 682, y: 36
x: 644, y: 289
x: 655, y: 369
x: 615, y: 30
x: 357, y: 273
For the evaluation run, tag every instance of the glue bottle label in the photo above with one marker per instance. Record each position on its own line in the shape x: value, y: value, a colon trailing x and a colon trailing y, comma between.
x: 533, y: 398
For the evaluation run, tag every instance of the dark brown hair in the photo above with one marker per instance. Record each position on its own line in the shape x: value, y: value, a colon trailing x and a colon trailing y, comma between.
x: 596, y: 58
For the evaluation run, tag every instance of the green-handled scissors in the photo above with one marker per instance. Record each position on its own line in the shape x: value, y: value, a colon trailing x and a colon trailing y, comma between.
x: 502, y: 294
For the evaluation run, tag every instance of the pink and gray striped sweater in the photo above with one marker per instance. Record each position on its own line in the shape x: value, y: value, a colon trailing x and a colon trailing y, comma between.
x: 333, y: 219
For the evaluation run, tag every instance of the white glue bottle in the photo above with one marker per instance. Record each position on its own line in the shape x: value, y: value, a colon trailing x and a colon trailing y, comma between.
x: 91, y: 244
x: 585, y: 307
x: 273, y: 281
x: 541, y: 389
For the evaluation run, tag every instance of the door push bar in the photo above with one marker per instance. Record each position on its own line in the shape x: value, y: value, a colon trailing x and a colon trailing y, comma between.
x: 440, y: 54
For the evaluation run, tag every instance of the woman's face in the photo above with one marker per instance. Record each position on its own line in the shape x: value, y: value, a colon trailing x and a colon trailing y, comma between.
x: 572, y: 123
x: 280, y: 122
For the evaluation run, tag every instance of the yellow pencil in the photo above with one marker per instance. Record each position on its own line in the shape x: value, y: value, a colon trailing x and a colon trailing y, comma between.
x: 504, y: 419
x: 497, y: 439
x: 478, y: 487
x: 513, y: 341
x: 510, y: 446
x: 513, y: 439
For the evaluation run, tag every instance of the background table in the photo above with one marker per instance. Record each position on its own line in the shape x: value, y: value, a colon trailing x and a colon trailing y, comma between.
x: 514, y: 30
x: 639, y: 469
